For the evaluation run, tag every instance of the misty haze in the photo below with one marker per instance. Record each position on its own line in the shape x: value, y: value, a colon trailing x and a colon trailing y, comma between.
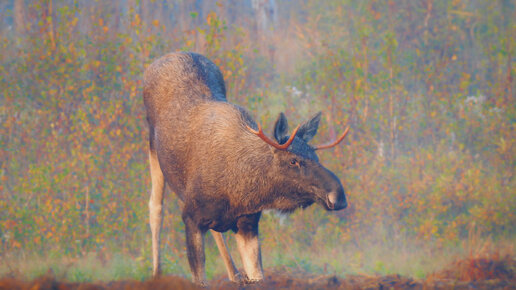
x: 425, y: 87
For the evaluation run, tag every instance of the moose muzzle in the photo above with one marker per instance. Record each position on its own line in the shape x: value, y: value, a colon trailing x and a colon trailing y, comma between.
x: 336, y: 200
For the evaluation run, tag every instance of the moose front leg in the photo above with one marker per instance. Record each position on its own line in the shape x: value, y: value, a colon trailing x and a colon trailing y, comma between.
x: 195, y: 250
x: 249, y: 247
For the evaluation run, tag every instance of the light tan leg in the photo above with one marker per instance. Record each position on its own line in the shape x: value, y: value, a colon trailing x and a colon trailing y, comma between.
x: 156, y: 209
x: 249, y: 248
x: 233, y: 273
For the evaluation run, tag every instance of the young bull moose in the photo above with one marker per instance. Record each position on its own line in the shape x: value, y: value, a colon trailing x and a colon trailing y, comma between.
x: 222, y: 166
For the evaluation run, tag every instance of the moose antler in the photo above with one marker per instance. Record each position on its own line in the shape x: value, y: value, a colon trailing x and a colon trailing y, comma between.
x: 264, y: 137
x: 334, y: 143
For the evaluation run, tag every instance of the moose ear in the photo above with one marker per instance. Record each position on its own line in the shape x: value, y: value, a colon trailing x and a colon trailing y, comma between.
x: 280, y: 127
x: 308, y: 130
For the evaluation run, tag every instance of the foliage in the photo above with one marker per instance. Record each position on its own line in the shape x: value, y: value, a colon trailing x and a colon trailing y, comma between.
x: 427, y: 88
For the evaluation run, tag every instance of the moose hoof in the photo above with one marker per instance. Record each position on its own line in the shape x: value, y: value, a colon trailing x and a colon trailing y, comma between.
x: 237, y: 278
x: 156, y: 274
x: 252, y: 281
x: 201, y: 284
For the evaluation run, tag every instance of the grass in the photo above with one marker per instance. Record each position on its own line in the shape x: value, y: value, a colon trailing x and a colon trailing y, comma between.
x: 369, y: 257
x: 87, y: 268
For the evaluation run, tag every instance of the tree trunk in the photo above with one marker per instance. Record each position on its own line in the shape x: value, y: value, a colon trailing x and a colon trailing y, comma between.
x: 19, y: 17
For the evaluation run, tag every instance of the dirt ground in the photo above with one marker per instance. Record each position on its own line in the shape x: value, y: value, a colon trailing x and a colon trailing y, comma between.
x: 464, y: 274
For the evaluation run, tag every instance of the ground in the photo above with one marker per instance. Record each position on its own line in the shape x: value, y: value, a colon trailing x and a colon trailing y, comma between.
x: 463, y: 274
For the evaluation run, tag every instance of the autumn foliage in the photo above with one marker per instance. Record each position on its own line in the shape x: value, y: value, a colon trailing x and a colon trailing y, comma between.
x: 427, y: 88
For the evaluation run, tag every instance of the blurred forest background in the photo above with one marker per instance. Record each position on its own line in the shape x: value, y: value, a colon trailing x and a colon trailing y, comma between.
x: 426, y: 86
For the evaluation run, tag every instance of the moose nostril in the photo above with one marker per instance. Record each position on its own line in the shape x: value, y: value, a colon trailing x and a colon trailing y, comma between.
x: 333, y: 198
x: 336, y: 201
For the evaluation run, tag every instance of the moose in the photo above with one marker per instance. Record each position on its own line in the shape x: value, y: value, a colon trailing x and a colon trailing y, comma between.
x: 221, y: 165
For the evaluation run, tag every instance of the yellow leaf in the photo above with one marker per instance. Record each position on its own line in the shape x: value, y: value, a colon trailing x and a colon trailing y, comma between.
x: 74, y: 21
x: 358, y: 82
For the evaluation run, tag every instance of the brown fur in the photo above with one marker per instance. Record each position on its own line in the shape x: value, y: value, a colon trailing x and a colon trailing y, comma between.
x: 224, y: 174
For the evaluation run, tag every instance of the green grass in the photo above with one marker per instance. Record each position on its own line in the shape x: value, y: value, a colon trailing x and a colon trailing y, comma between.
x: 390, y: 256
x: 83, y: 269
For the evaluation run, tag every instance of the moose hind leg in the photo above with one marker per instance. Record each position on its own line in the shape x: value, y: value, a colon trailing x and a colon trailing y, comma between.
x: 156, y: 209
x: 249, y: 247
x: 233, y: 273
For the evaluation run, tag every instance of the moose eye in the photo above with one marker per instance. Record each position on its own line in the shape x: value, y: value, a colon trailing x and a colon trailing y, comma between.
x: 293, y: 161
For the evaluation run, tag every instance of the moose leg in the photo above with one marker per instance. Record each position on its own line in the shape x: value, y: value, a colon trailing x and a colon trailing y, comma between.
x: 226, y: 256
x: 249, y: 247
x: 155, y: 209
x: 195, y: 250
